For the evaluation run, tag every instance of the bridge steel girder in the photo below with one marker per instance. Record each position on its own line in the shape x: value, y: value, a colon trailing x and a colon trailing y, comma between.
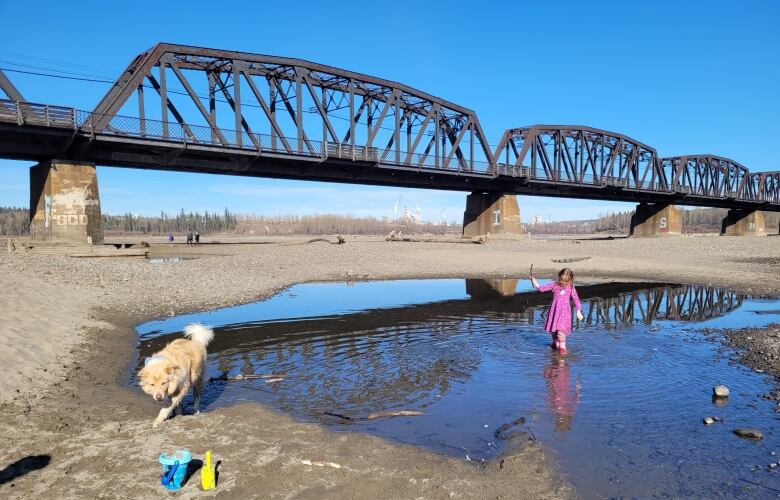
x: 579, y: 155
x: 438, y: 133
x: 9, y: 89
x: 768, y: 186
x: 708, y: 175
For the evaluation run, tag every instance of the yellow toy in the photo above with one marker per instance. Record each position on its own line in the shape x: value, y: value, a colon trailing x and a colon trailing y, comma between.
x: 207, y: 474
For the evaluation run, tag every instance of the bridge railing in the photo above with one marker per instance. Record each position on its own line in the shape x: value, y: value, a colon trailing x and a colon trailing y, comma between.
x: 27, y: 113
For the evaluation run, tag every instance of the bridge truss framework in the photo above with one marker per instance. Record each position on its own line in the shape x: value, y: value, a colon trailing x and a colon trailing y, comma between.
x: 271, y: 116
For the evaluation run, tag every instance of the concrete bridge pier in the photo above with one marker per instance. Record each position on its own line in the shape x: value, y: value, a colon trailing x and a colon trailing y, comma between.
x: 742, y: 222
x: 491, y: 213
x: 65, y: 203
x: 656, y: 219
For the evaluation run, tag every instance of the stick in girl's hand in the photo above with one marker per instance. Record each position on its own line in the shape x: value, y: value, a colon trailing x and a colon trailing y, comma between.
x: 532, y: 271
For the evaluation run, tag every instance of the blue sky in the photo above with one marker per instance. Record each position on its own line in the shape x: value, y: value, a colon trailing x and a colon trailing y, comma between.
x: 682, y: 76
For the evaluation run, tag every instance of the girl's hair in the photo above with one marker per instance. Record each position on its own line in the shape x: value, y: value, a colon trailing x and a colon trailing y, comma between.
x: 564, y: 272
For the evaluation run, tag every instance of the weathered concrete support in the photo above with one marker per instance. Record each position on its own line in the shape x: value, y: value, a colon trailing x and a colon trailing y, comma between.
x: 65, y: 203
x: 491, y: 213
x: 741, y: 222
x: 656, y: 219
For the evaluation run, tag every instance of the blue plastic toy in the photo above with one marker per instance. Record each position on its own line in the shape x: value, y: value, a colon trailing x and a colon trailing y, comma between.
x: 167, y: 477
x: 174, y: 469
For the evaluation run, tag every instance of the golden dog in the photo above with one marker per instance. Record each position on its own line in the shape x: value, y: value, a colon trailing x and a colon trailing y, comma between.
x: 171, y: 372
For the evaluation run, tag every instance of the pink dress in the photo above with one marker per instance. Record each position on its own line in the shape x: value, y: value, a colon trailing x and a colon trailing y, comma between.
x: 559, y: 315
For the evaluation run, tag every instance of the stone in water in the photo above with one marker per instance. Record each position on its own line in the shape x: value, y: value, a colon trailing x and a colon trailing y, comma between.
x: 749, y: 433
x: 720, y: 391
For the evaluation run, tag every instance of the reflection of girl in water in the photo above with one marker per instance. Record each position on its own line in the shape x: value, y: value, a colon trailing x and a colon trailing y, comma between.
x: 559, y: 316
x: 562, y: 401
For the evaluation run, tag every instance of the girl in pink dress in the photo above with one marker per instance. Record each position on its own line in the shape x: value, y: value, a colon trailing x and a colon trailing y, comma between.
x: 559, y: 316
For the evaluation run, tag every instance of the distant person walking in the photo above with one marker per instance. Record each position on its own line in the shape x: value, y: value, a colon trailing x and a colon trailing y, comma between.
x: 170, y: 238
x: 559, y: 316
x: 190, y: 239
x: 197, y: 238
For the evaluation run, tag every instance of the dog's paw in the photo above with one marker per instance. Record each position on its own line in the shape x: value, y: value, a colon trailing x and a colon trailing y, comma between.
x: 157, y: 423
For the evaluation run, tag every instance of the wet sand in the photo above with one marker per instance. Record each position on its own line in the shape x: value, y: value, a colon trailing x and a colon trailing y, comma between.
x: 68, y: 341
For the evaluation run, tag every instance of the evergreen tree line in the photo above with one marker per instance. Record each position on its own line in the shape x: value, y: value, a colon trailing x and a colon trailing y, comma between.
x: 206, y: 223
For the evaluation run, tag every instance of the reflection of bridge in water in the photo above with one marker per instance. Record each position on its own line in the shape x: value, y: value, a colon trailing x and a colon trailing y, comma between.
x: 607, y: 304
x: 678, y: 303
x: 625, y: 303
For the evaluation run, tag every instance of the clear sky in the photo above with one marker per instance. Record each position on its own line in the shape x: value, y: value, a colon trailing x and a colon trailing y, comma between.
x: 681, y: 76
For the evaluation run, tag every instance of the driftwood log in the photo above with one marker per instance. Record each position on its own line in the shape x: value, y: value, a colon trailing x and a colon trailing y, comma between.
x: 570, y: 259
x: 376, y: 415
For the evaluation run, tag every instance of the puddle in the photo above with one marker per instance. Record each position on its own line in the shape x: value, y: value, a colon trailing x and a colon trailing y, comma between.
x: 622, y: 412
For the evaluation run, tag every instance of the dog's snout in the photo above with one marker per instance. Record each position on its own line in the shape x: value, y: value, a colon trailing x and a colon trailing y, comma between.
x: 158, y: 397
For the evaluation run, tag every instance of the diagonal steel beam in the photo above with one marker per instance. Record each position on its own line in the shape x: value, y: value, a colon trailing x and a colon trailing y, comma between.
x: 170, y: 107
x: 271, y: 116
x: 198, y: 104
x: 10, y: 90
x: 232, y: 103
x: 323, y: 112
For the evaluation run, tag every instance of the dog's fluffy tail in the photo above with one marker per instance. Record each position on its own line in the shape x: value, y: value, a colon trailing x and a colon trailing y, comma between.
x: 199, y: 333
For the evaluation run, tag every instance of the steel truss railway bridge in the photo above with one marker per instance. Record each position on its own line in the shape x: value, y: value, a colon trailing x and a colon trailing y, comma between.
x: 267, y: 116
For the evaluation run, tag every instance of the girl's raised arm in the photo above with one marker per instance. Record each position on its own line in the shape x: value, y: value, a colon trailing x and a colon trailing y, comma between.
x: 544, y: 288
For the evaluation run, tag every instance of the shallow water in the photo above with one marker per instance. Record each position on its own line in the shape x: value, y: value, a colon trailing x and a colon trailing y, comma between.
x: 622, y: 412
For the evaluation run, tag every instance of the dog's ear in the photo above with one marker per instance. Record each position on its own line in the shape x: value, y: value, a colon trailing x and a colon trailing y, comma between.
x: 171, y: 369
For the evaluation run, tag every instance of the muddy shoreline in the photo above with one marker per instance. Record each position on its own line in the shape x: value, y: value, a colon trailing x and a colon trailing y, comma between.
x: 77, y: 409
x: 758, y: 349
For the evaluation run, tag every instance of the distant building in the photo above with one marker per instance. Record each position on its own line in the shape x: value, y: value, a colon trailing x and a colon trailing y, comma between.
x: 537, y: 219
x: 412, y: 217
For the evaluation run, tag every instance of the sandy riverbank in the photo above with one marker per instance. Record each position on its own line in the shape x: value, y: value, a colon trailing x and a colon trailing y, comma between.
x: 68, y: 341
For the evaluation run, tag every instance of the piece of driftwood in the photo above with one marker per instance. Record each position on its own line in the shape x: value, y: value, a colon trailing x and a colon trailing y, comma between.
x: 270, y: 378
x: 339, y: 241
x: 570, y: 259
x: 94, y: 254
x: 479, y: 241
x: 376, y: 415
x: 391, y: 414
x: 317, y: 463
x: 503, y: 432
